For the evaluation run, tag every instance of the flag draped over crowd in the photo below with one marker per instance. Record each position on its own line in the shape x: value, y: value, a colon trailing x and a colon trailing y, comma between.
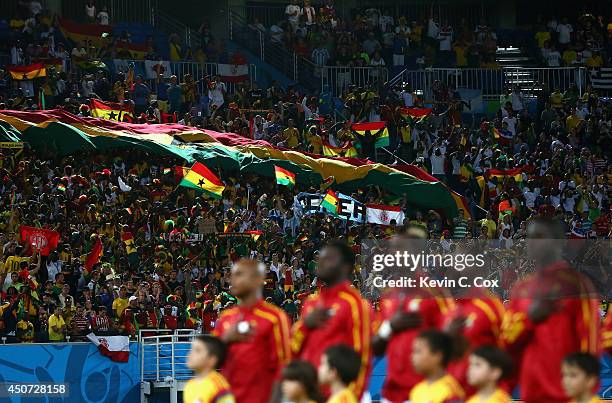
x: 70, y: 134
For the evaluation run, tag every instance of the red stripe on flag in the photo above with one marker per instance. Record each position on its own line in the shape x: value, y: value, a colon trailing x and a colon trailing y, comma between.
x: 283, y: 170
x: 369, y: 126
x: 26, y: 69
x: 201, y: 169
x: 384, y: 207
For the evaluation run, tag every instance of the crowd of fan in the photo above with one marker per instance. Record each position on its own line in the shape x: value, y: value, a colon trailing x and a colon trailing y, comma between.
x: 376, y: 37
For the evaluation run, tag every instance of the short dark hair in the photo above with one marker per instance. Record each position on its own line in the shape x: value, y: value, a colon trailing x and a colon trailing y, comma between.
x: 345, y: 361
x: 346, y: 253
x: 303, y: 372
x: 496, y: 358
x: 586, y: 362
x: 439, y: 342
x: 552, y: 225
x: 214, y: 346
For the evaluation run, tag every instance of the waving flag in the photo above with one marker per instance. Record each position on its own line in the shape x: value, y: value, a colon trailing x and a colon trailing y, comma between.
x: 233, y: 73
x: 500, y: 174
x: 383, y: 215
x: 111, y: 111
x: 347, y: 150
x: 284, y: 176
x: 117, y: 348
x: 415, y: 114
x: 39, y: 239
x: 378, y: 129
x: 153, y: 68
x: 94, y: 255
x: 30, y: 72
x: 201, y: 178
x: 330, y: 202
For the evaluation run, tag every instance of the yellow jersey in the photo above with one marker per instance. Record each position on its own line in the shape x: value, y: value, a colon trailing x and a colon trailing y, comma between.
x: 119, y: 305
x: 11, y: 264
x: 499, y: 396
x: 213, y: 388
x: 344, y: 396
x: 594, y: 399
x: 445, y: 389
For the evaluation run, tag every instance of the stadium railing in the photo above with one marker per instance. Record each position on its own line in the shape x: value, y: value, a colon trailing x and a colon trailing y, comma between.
x: 337, y: 79
x: 164, y: 361
x: 119, y: 10
x: 495, y: 82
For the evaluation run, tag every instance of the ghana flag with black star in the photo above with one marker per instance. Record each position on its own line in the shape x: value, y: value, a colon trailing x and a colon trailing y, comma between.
x: 111, y: 111
x: 200, y: 177
x: 284, y: 176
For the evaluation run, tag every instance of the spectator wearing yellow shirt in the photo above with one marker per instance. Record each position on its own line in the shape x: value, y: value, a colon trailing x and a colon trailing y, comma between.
x: 315, y: 141
x: 573, y: 121
x: 556, y: 99
x: 13, y: 263
x: 542, y: 36
x: 569, y: 57
x: 121, y: 302
x: 291, y: 135
x: 57, y: 325
x: 595, y: 60
x: 25, y: 329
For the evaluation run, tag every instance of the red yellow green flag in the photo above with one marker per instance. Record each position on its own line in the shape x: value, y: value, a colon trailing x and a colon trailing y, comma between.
x: 330, y: 202
x: 500, y: 174
x: 378, y: 129
x: 284, y: 177
x: 29, y: 72
x: 200, y: 177
x: 347, y: 150
x: 111, y: 111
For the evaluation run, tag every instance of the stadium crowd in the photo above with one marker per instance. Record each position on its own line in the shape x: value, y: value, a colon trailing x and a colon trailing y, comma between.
x: 153, y: 274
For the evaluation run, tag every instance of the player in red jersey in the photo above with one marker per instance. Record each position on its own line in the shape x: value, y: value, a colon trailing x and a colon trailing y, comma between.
x: 404, y: 314
x: 337, y: 315
x: 552, y: 313
x: 477, y: 319
x: 257, y: 335
x: 606, y: 333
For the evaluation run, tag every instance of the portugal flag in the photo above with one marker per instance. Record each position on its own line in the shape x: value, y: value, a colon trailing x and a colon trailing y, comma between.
x: 30, y: 72
x: 284, y: 177
x: 111, y: 111
x: 94, y: 255
x: 200, y: 177
x: 39, y: 239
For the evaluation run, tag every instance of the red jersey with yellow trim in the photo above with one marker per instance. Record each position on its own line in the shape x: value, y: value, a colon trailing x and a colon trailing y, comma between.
x: 540, y: 347
x: 253, y: 366
x: 606, y: 333
x: 433, y: 306
x: 350, y: 322
x: 483, y: 312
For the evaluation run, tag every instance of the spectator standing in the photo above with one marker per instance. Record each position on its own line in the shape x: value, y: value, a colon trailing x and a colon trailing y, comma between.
x: 90, y: 11
x: 103, y: 17
x: 565, y: 33
x: 57, y: 326
x: 140, y: 95
x: 292, y: 11
x: 174, y: 95
x: 308, y: 14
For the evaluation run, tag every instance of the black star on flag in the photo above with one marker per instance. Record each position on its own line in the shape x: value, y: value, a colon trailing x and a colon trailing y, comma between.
x: 112, y: 115
x: 201, y: 182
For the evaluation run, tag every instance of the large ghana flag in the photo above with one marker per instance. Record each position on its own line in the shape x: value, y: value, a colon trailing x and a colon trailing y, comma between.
x: 227, y: 152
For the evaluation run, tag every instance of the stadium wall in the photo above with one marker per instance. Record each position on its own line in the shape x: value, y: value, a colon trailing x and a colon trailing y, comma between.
x: 88, y: 375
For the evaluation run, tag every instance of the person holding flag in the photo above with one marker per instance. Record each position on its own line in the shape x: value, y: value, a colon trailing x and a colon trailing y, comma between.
x: 256, y: 334
x: 337, y: 315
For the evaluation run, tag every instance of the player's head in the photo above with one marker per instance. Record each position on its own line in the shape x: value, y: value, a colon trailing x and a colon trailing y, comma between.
x: 431, y: 351
x: 247, y: 277
x: 336, y: 262
x: 207, y: 353
x: 299, y: 382
x: 339, y: 364
x: 488, y: 364
x: 543, y: 244
x: 579, y: 375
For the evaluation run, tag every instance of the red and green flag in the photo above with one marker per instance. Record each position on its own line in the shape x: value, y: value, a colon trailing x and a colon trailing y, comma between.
x: 415, y: 114
x: 201, y: 178
x: 284, y: 176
